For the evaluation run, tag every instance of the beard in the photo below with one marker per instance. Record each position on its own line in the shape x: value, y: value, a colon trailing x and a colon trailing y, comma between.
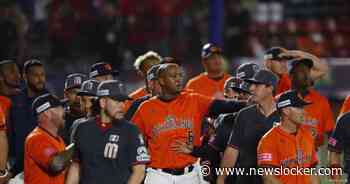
x: 37, y: 87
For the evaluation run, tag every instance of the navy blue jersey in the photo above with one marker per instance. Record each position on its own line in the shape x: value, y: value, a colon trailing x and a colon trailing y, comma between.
x: 107, y: 154
x: 340, y: 139
x: 250, y: 125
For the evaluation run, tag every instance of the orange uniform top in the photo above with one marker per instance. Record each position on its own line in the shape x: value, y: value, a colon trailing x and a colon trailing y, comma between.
x: 162, y: 123
x: 5, y: 105
x: 40, y: 146
x: 277, y: 148
x: 319, y: 116
x: 346, y: 106
x: 135, y: 95
x: 284, y: 84
x: 203, y: 85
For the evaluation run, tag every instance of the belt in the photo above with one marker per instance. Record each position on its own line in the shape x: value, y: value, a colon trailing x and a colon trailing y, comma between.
x: 177, y: 172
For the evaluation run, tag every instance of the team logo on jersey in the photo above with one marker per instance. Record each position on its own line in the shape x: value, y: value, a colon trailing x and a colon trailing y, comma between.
x: 172, y: 123
x: 111, y: 148
x: 142, y: 154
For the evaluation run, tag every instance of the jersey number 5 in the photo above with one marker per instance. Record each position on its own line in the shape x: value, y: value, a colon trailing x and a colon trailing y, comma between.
x: 111, y: 151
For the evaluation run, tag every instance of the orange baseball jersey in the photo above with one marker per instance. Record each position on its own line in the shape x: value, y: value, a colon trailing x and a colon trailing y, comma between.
x: 5, y: 105
x: 135, y: 95
x: 278, y: 148
x: 346, y: 106
x: 319, y: 116
x: 40, y: 146
x: 284, y: 84
x: 162, y: 123
x: 203, y: 85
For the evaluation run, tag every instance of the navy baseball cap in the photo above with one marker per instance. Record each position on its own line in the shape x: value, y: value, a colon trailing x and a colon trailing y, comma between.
x: 45, y: 102
x: 209, y: 49
x: 74, y: 81
x: 113, y: 89
x: 264, y: 77
x: 99, y: 69
x: 237, y: 84
x: 247, y: 70
x: 152, y: 73
x: 290, y: 99
x: 31, y: 63
x: 307, y: 62
x: 89, y: 88
x: 7, y: 61
x: 274, y: 54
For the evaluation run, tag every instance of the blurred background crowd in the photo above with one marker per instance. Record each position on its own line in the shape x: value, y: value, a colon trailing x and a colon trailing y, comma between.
x: 69, y: 35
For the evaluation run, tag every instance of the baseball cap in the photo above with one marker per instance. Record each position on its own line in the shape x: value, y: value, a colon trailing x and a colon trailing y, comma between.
x: 74, y: 80
x: 209, y: 49
x: 30, y: 63
x: 264, y: 77
x: 7, y: 61
x: 113, y: 89
x: 274, y: 54
x: 290, y: 99
x: 152, y: 73
x: 101, y: 68
x: 88, y: 88
x: 237, y: 84
x: 307, y: 62
x: 44, y: 102
x: 247, y: 70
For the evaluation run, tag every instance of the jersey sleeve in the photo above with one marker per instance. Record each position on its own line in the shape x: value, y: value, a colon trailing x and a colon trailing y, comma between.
x: 236, y: 137
x: 337, y: 139
x: 204, y: 103
x: 138, y: 120
x: 137, y: 147
x: 346, y: 106
x: 41, y: 151
x: 267, y: 154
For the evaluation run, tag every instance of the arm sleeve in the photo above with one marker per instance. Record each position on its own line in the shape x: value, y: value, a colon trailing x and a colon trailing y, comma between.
x: 41, y: 152
x: 267, y: 154
x: 218, y: 107
x: 138, y: 150
x: 336, y: 140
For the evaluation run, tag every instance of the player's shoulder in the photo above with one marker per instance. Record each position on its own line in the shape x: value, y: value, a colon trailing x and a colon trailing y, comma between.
x: 196, y: 79
x: 247, y: 110
x: 37, y: 135
x: 226, y: 119
x: 344, y: 118
x: 270, y: 135
x: 85, y: 123
x: 318, y: 97
x: 129, y: 126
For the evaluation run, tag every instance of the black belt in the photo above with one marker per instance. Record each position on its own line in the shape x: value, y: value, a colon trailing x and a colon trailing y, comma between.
x: 177, y: 172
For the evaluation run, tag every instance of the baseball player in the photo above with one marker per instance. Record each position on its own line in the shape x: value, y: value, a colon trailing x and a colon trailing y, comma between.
x: 276, y: 60
x: 211, y: 82
x: 153, y: 88
x: 289, y: 144
x: 250, y: 125
x: 46, y: 158
x: 338, y: 143
x: 109, y: 149
x: 71, y: 88
x: 102, y: 71
x: 319, y: 117
x: 88, y: 96
x: 171, y: 118
x: 142, y: 64
x: 345, y: 107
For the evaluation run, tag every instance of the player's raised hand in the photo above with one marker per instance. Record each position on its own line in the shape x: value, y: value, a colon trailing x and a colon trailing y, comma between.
x: 181, y: 147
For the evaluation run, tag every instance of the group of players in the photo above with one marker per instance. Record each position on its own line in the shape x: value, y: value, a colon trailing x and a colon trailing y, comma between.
x: 166, y: 132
